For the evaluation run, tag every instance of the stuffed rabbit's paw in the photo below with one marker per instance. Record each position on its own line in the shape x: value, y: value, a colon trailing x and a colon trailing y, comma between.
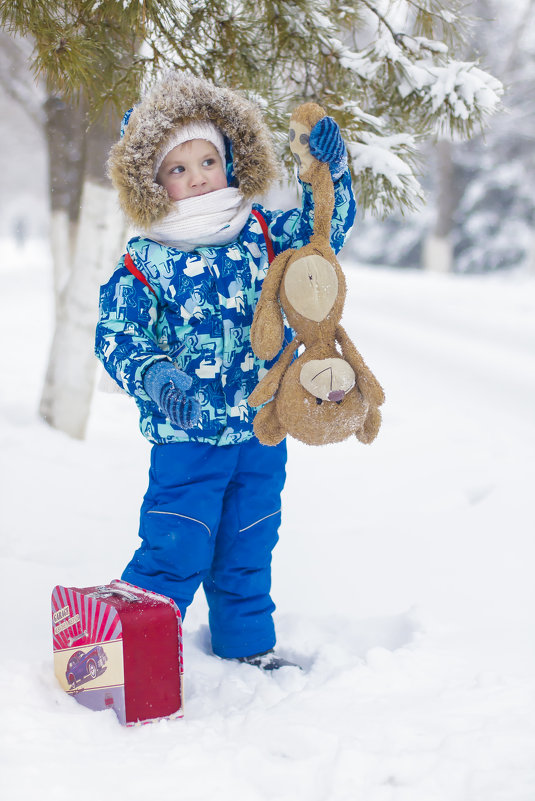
x: 371, y: 427
x: 267, y: 425
x: 267, y: 330
x: 370, y: 388
x: 264, y: 391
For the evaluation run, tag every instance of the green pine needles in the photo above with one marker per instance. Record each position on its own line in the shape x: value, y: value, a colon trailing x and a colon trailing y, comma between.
x: 384, y: 69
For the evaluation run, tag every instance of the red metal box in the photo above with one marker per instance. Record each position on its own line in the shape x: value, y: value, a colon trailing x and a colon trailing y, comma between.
x: 119, y: 646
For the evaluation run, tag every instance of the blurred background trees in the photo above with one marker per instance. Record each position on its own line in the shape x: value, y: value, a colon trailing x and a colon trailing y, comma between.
x: 389, y: 72
x: 479, y: 214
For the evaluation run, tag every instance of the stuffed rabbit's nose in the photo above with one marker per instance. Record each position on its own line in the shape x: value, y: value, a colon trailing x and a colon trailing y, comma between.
x: 336, y: 395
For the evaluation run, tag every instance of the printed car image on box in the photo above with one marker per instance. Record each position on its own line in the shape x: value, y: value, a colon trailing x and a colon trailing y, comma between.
x: 119, y: 646
x: 85, y: 665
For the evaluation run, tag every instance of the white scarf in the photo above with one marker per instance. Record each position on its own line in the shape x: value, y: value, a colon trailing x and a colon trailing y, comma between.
x: 215, y: 218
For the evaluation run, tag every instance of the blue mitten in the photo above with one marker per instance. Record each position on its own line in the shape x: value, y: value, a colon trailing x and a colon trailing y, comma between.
x: 167, y: 386
x: 326, y: 144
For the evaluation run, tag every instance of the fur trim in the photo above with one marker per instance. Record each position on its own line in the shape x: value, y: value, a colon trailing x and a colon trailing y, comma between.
x: 178, y: 99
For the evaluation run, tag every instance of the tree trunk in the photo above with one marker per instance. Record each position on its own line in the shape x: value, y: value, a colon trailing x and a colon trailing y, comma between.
x: 70, y: 376
x: 530, y: 261
x: 65, y: 132
x: 438, y: 250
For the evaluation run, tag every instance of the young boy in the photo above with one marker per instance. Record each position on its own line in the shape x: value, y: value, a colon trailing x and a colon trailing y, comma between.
x: 174, y: 330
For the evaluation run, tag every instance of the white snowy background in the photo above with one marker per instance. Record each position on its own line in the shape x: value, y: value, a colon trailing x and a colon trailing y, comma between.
x: 403, y: 576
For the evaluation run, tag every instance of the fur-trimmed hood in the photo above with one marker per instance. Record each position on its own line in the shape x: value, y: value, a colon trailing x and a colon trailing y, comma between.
x: 177, y: 99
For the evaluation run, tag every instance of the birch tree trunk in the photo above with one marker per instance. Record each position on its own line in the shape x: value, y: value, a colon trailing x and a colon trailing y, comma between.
x: 70, y: 375
x: 65, y: 132
x: 438, y: 250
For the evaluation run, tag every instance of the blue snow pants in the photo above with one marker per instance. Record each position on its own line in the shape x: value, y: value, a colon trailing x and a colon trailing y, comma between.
x: 211, y: 515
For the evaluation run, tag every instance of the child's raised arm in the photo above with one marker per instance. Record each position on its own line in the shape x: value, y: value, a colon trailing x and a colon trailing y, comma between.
x: 293, y: 229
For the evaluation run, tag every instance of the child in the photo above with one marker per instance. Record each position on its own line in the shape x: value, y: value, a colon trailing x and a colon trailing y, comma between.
x: 174, y: 331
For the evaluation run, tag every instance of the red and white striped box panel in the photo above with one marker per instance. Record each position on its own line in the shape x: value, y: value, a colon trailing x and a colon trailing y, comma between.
x: 119, y: 646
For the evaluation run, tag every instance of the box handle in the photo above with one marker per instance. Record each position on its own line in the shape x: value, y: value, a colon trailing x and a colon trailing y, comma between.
x: 105, y: 592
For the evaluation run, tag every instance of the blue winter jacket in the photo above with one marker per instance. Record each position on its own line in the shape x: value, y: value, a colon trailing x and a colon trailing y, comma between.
x: 199, y: 316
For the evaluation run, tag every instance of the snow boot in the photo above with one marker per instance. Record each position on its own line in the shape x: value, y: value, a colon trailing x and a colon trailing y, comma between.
x: 268, y: 660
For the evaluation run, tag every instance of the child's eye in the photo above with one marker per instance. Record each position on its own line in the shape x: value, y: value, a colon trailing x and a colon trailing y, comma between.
x: 208, y: 162
x: 178, y: 169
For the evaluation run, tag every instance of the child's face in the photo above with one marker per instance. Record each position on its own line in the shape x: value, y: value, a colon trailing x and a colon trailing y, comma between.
x: 190, y: 169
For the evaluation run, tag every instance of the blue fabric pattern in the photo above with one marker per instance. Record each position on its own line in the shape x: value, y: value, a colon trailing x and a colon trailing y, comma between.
x: 200, y: 319
x: 326, y: 144
x: 163, y: 373
x: 124, y: 121
x: 168, y: 387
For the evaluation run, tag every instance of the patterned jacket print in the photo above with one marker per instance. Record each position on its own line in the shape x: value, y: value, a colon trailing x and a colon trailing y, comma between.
x: 199, y: 317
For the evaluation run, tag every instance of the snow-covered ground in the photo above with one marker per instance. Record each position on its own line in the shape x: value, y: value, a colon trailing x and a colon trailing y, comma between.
x: 403, y: 578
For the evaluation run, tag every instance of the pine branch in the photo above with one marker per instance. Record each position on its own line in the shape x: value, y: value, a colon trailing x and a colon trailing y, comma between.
x: 382, y: 19
x: 280, y: 53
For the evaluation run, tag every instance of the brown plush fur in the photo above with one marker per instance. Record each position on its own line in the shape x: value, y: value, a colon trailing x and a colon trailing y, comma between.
x: 311, y: 279
x: 178, y: 99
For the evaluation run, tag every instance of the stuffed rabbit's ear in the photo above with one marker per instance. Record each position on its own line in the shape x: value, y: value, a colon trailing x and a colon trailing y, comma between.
x: 267, y: 426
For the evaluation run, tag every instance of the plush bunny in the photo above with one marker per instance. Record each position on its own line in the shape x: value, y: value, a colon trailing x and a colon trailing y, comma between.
x: 323, y: 395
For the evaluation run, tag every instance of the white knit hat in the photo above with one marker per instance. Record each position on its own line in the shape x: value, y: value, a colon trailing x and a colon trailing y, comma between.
x: 193, y: 130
